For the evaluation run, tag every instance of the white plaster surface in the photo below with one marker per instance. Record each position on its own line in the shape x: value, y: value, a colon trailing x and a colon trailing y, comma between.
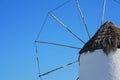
x: 98, y: 66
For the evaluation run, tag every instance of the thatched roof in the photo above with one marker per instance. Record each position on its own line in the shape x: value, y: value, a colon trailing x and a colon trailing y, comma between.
x: 106, y: 38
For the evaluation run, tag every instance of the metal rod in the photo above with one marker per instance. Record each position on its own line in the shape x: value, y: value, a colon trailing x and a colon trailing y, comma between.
x: 43, y: 42
x: 80, y: 11
x: 103, y: 11
x: 66, y: 27
x: 57, y: 68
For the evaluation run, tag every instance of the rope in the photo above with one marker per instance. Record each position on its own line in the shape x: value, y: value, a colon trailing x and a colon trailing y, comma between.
x: 80, y: 11
x: 37, y: 58
x: 43, y: 42
x: 103, y: 11
x: 42, y: 26
x: 58, y: 68
x: 60, y: 5
x: 63, y: 25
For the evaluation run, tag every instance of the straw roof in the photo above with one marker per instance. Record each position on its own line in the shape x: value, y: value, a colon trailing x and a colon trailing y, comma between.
x: 106, y: 38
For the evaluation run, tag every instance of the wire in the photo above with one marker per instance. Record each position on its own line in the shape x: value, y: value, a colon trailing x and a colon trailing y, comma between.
x: 80, y: 11
x: 66, y: 27
x: 60, y: 5
x: 42, y: 26
x: 43, y: 42
x: 66, y: 65
x: 103, y: 11
x: 37, y: 58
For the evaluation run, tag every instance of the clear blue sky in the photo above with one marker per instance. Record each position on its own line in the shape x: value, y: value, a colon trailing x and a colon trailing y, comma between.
x: 20, y: 22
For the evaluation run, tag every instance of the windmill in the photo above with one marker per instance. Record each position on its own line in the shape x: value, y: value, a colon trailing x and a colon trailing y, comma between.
x: 100, y: 56
x: 50, y: 13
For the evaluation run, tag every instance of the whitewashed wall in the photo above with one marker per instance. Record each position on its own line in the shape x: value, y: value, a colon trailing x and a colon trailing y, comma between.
x: 97, y: 66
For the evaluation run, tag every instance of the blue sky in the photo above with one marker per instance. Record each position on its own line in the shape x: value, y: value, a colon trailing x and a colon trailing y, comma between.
x: 20, y: 22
